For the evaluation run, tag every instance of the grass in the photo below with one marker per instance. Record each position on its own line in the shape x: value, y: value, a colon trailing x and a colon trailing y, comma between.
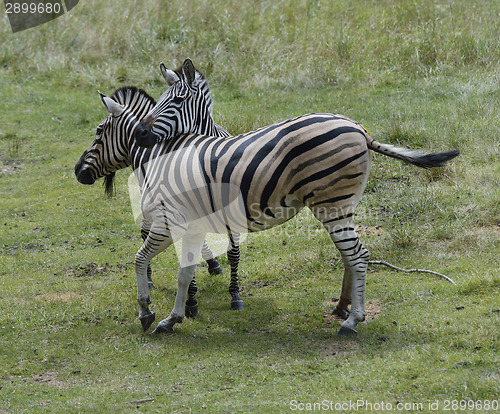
x: 420, y: 75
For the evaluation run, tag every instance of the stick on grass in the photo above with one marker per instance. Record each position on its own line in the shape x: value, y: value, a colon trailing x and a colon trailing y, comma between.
x: 383, y: 262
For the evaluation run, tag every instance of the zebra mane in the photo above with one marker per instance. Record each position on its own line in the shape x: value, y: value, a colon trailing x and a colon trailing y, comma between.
x: 130, y: 94
x: 200, y: 82
x: 127, y: 96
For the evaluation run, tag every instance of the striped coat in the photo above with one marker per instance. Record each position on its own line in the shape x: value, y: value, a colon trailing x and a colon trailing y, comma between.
x: 321, y: 161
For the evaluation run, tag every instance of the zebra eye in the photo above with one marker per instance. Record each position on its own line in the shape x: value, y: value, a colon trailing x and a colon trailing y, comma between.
x: 177, y: 100
x: 99, y: 130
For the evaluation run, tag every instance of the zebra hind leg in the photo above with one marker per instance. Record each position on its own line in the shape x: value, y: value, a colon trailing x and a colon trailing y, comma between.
x: 207, y: 255
x: 355, y: 258
x: 233, y: 255
x: 192, y: 303
x: 342, y: 308
x: 144, y: 235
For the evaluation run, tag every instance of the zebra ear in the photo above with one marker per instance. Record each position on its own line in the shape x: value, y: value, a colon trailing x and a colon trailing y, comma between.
x: 114, y: 108
x: 169, y: 75
x: 189, y: 71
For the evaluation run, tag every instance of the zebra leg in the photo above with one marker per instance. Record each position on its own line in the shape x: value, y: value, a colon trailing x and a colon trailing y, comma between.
x: 144, y: 234
x: 340, y: 226
x: 192, y: 303
x: 191, y: 249
x: 342, y: 308
x: 207, y: 255
x: 355, y: 258
x: 233, y: 255
x: 213, y: 268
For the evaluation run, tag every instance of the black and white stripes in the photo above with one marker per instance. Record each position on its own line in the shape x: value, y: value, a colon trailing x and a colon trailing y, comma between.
x: 113, y: 148
x: 318, y: 160
x: 200, y: 183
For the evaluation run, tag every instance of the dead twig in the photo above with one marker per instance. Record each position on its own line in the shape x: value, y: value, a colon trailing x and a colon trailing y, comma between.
x: 145, y: 400
x: 383, y: 262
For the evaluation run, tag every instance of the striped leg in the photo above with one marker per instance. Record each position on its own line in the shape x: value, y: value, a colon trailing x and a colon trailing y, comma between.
x: 207, y: 255
x: 144, y: 234
x: 213, y: 268
x: 154, y: 244
x: 191, y: 249
x: 355, y: 258
x: 233, y: 255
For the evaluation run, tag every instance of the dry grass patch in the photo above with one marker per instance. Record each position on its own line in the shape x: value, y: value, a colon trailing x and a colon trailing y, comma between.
x: 58, y: 296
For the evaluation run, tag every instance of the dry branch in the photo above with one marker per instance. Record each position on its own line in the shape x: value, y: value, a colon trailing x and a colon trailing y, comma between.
x: 383, y: 262
x: 145, y: 400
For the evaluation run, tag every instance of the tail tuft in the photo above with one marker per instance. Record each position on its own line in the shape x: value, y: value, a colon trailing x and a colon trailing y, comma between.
x: 434, y: 159
x: 415, y: 157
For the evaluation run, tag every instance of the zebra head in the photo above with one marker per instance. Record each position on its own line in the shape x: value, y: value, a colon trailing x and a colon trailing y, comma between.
x: 110, y: 150
x: 185, y: 107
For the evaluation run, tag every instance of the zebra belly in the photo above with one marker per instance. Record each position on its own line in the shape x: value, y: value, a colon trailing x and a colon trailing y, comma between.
x: 274, y: 215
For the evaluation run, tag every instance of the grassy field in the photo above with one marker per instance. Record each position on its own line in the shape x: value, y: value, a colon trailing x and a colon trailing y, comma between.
x: 418, y: 74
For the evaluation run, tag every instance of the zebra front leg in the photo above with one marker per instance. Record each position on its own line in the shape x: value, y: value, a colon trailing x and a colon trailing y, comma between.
x: 191, y: 248
x: 144, y: 234
x: 233, y: 255
x: 177, y: 314
x: 146, y: 316
x: 153, y: 244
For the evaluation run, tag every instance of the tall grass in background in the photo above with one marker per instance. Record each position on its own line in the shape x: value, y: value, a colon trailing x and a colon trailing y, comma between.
x: 417, y: 73
x: 257, y: 43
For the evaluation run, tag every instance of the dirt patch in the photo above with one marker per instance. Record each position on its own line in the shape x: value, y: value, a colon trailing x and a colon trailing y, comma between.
x: 9, y: 165
x: 373, y: 309
x: 88, y: 271
x: 54, y: 297
x: 329, y: 351
x: 369, y: 230
x: 15, y: 247
x: 47, y: 378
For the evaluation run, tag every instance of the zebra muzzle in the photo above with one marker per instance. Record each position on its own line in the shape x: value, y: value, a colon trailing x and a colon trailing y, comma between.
x: 144, y: 137
x: 84, y: 175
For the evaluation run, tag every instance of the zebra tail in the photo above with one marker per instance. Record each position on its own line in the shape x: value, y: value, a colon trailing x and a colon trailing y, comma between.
x: 415, y: 157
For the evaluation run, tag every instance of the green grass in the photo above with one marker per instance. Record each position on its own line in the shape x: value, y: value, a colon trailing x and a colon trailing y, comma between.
x: 419, y: 74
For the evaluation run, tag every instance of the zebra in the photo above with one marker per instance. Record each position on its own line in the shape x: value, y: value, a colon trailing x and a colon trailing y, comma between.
x: 318, y: 160
x: 91, y: 167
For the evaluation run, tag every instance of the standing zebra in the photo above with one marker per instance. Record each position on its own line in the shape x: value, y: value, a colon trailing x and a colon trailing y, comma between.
x: 318, y: 160
x: 97, y: 162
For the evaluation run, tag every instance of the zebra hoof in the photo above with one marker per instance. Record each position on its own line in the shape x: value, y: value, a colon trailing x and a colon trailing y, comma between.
x: 151, y: 286
x: 344, y: 331
x: 163, y: 329
x: 237, y: 304
x: 191, y: 311
x: 341, y: 313
x: 147, y: 320
x: 216, y: 270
